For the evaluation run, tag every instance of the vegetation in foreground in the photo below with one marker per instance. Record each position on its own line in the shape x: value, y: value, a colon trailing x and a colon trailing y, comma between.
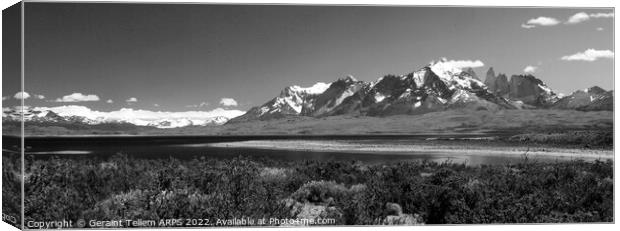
x: 11, y: 187
x: 347, y: 193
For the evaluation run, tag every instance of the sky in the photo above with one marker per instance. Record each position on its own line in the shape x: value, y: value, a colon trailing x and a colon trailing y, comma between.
x: 199, y: 57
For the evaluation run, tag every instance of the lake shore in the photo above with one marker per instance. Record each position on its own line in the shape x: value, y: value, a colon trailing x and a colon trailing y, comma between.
x: 418, y: 148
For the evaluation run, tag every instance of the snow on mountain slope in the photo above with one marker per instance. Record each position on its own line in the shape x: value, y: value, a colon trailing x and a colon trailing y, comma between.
x: 85, y: 115
x: 292, y: 101
x: 334, y: 96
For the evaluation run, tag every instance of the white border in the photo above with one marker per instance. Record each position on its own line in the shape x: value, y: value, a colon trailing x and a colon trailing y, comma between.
x: 536, y: 3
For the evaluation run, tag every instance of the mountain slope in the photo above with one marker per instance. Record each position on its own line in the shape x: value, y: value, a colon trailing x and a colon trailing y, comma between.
x: 605, y: 103
x: 293, y: 100
x: 589, y: 99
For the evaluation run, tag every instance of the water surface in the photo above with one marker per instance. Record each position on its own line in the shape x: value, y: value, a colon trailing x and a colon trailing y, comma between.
x: 198, y: 146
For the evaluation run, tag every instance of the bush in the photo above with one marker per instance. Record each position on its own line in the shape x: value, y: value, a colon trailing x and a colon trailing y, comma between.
x: 122, y: 187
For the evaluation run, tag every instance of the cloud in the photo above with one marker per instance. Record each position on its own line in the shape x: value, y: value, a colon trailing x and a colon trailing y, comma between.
x: 574, y: 19
x: 109, y: 101
x: 21, y: 95
x: 540, y: 21
x: 228, y: 102
x: 589, y: 55
x: 139, y: 116
x: 526, y: 26
x: 530, y: 69
x: 39, y: 96
x: 78, y: 97
x: 5, y: 98
x: 600, y: 29
x: 459, y: 64
x: 156, y: 105
x: 602, y: 15
x: 578, y: 17
x: 131, y: 100
x: 583, y: 16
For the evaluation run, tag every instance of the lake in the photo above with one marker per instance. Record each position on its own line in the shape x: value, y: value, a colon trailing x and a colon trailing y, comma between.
x: 188, y: 147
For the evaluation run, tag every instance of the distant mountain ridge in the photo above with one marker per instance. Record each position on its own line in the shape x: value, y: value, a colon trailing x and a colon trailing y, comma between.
x: 435, y: 87
x: 49, y: 117
x: 589, y: 99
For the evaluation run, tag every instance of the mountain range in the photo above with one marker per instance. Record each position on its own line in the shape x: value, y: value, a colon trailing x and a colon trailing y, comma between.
x: 55, y: 116
x: 436, y: 87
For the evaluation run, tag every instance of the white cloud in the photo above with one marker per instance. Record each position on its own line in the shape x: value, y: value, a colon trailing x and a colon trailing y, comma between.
x: 459, y: 64
x: 540, y: 21
x: 39, y: 96
x: 583, y: 16
x: 589, y: 55
x: 109, y: 101
x: 526, y: 26
x: 78, y: 97
x: 228, y: 102
x: 5, y: 97
x: 156, y: 105
x: 602, y: 15
x: 21, y: 95
x: 578, y: 17
x: 600, y: 29
x: 131, y: 100
x: 530, y: 69
x: 574, y: 19
x: 139, y: 116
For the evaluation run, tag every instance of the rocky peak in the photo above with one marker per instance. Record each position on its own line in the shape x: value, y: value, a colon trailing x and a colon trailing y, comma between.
x: 531, y: 90
x: 490, y: 80
x: 502, y: 86
x: 472, y: 73
x: 595, y: 90
x: 348, y: 79
x: 490, y: 74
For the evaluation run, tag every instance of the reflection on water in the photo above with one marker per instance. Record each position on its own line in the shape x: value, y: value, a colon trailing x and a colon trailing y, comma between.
x: 62, y: 152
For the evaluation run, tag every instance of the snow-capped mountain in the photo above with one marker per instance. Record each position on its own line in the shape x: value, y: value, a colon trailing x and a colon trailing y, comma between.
x: 184, y: 122
x: 291, y: 101
x: 593, y: 98
x: 437, y: 86
x: 82, y: 115
x: 334, y: 96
